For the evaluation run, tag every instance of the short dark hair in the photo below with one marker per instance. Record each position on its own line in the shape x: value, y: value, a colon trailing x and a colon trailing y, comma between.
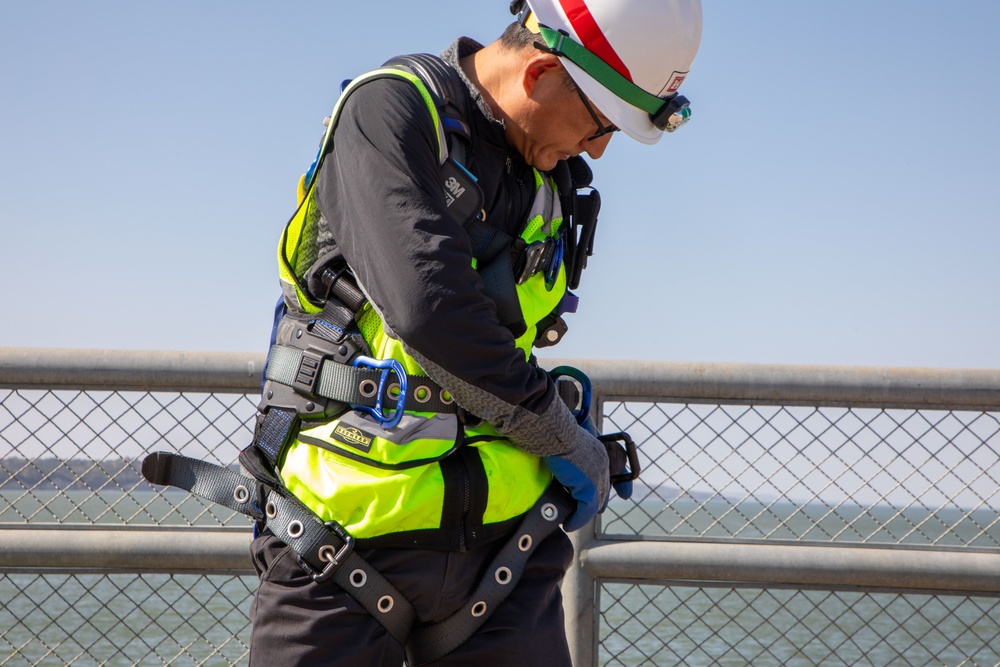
x: 517, y: 37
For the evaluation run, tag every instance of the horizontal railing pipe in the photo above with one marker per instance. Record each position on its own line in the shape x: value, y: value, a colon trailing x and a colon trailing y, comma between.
x: 161, y: 549
x: 803, y: 565
x: 39, y: 368
x: 975, y: 389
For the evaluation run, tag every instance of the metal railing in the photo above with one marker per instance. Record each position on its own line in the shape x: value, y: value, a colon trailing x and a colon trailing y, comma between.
x: 786, y: 515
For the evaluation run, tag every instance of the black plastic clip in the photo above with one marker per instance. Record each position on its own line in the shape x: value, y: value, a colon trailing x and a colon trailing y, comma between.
x: 621, y: 448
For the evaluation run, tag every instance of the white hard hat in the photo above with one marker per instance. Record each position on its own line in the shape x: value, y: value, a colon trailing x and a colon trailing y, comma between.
x: 628, y: 57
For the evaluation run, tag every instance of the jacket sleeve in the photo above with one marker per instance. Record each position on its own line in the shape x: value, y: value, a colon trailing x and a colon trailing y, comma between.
x: 381, y: 195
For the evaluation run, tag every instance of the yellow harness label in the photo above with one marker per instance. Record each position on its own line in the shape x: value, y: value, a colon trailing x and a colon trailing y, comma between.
x: 354, y: 437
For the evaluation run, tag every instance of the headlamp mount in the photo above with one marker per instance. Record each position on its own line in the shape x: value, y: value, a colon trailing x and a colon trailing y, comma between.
x: 674, y: 113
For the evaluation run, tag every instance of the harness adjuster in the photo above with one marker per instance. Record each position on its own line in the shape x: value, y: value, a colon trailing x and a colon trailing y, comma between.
x: 534, y: 259
x: 307, y: 375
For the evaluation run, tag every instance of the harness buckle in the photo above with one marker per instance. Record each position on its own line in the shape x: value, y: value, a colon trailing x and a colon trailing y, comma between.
x: 535, y: 258
x: 378, y: 412
x: 307, y: 375
x: 336, y: 560
x: 333, y: 559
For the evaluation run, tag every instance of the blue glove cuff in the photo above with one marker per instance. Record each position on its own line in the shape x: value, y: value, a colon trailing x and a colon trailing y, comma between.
x: 580, y: 488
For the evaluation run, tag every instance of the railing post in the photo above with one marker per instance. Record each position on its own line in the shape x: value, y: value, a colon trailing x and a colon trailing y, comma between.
x: 580, y: 602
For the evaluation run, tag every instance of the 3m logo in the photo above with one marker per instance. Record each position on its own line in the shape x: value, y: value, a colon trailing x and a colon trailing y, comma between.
x: 354, y: 437
x: 452, y: 190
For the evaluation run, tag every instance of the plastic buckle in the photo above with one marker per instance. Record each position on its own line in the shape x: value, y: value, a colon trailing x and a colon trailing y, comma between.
x: 625, y: 441
x: 536, y: 258
x: 384, y: 365
x: 555, y: 264
x: 307, y: 375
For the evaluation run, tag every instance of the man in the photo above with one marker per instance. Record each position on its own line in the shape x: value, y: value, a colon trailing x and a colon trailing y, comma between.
x: 441, y: 435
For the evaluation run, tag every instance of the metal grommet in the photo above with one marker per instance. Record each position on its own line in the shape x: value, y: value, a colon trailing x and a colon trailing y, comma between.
x: 524, y: 543
x: 549, y: 512
x: 241, y: 494
x: 327, y: 554
x: 479, y: 609
x: 368, y: 388
x: 385, y: 604
x: 422, y: 394
x: 503, y: 576
x: 295, y: 528
x: 358, y: 578
x: 392, y: 391
x: 271, y: 510
x: 446, y: 398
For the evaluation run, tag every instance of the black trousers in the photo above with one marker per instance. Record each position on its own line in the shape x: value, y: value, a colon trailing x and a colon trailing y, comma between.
x: 299, y: 622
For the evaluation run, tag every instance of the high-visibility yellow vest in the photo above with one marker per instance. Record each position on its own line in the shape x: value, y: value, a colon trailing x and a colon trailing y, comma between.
x: 400, y: 483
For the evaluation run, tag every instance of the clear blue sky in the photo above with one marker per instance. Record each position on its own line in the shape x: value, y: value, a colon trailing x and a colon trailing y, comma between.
x: 834, y: 200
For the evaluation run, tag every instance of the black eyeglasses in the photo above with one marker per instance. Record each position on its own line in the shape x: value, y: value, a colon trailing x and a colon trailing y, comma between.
x: 602, y: 129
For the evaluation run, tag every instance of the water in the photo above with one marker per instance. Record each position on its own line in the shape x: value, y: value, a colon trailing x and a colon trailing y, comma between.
x: 86, y: 619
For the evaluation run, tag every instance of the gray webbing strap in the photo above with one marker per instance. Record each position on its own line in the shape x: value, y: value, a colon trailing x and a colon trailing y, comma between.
x: 434, y: 641
x: 348, y: 384
x: 326, y: 552
x: 207, y: 480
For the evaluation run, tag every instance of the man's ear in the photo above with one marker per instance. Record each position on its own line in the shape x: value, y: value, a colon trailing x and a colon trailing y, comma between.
x: 536, y: 69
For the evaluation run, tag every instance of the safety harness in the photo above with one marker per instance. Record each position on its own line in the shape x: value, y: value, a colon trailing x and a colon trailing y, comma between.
x: 321, y: 368
x: 326, y: 551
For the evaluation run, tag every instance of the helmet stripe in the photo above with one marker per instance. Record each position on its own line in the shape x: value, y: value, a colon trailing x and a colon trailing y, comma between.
x: 591, y: 34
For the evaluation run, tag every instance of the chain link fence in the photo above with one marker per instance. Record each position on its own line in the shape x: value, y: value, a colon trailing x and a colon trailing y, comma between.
x: 725, y: 473
x: 899, y: 478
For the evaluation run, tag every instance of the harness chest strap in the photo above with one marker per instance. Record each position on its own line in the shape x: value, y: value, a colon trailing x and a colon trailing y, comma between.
x: 326, y: 551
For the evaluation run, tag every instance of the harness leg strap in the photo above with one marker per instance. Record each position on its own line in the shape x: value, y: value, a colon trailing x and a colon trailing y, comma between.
x: 431, y: 642
x: 325, y: 550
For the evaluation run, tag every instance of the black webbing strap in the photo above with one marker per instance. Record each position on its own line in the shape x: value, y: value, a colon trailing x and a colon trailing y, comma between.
x: 431, y: 642
x: 325, y: 550
x: 327, y: 553
x: 207, y: 480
